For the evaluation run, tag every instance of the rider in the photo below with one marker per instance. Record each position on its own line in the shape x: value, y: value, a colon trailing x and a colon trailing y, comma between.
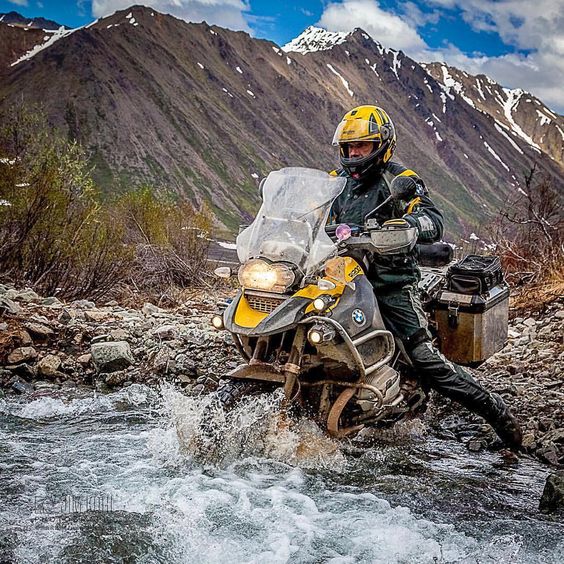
x: 366, y: 138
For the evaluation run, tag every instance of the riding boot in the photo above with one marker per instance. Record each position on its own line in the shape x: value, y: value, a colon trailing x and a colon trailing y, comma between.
x: 454, y: 382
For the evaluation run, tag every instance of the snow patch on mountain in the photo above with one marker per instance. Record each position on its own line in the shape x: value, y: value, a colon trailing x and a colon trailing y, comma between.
x: 55, y: 36
x: 544, y: 119
x: 513, y: 97
x: 500, y: 127
x: 345, y: 83
x: 496, y: 156
x: 315, y: 39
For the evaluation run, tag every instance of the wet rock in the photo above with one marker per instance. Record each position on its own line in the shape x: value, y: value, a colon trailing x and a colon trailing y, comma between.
x: 207, y: 382
x: 111, y: 356
x: 25, y: 370
x: 552, y: 499
x: 22, y: 354
x: 548, y: 453
x: 185, y: 365
x: 49, y: 366
x: 116, y: 378
x: 161, y: 359
x: 476, y: 445
x: 20, y: 386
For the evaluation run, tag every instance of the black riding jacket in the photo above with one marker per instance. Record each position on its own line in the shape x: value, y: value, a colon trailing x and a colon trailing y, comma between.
x: 391, y: 272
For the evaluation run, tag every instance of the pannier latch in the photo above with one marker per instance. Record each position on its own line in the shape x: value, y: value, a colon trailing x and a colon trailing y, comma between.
x: 452, y: 314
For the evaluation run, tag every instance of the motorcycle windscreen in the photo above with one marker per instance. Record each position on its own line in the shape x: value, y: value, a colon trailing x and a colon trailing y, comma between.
x: 290, y: 224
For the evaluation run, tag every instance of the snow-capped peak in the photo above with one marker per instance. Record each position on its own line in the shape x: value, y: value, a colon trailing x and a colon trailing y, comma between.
x: 315, y: 39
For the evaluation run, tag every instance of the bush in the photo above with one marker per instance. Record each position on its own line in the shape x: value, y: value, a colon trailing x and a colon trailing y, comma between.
x: 59, y: 236
x: 54, y: 234
x: 170, y: 237
x: 529, y: 237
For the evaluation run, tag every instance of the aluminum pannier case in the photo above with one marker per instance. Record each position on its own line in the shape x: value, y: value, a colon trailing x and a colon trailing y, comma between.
x: 472, y: 327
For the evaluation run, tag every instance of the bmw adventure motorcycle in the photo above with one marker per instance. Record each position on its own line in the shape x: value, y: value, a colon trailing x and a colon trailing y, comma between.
x: 306, y: 318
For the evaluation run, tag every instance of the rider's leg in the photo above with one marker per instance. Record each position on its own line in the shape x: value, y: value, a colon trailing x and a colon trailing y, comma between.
x: 404, y: 316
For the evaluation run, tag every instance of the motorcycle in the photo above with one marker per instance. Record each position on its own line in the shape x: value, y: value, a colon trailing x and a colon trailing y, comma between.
x: 306, y: 319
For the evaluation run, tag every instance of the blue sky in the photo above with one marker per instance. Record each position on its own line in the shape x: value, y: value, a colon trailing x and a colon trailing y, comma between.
x: 519, y: 43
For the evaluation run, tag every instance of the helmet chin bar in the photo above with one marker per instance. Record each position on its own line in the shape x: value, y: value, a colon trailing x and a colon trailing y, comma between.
x: 361, y: 167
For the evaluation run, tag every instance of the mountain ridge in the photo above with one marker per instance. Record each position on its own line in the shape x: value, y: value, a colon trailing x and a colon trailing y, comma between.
x: 205, y: 111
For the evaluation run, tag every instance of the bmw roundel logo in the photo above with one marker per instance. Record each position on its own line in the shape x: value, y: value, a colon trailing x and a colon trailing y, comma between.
x: 358, y: 317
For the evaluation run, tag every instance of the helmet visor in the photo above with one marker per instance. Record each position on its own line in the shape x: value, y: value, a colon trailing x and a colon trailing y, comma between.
x: 350, y: 130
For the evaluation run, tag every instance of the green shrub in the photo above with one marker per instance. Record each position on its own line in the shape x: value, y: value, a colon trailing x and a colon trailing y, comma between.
x: 58, y: 235
x: 170, y: 237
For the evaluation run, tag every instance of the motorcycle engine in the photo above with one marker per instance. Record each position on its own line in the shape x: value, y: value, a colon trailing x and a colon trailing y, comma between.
x: 387, y: 380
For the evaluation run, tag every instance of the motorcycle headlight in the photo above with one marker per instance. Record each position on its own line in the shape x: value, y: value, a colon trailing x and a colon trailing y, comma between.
x: 260, y: 275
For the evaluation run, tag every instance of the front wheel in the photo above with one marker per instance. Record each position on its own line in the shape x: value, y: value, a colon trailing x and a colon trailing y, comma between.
x: 223, y: 427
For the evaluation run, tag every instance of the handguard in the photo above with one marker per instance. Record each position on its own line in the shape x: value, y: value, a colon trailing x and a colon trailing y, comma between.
x: 396, y: 236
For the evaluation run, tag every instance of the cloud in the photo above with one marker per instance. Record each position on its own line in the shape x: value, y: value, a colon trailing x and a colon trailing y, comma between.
x: 226, y: 13
x: 533, y: 32
x: 386, y: 27
x: 18, y: 2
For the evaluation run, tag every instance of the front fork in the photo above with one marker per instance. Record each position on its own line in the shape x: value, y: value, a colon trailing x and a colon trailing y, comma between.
x: 293, y: 366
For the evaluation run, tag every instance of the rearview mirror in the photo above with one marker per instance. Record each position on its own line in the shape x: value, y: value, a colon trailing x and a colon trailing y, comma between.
x: 403, y: 188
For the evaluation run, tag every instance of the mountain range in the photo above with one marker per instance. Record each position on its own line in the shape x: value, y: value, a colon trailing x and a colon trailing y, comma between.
x: 205, y: 111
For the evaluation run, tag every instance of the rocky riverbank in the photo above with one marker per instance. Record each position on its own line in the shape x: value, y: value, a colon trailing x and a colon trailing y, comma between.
x: 46, y: 345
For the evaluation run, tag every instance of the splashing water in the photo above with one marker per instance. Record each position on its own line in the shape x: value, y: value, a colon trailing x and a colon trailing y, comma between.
x: 271, y: 493
x: 256, y: 426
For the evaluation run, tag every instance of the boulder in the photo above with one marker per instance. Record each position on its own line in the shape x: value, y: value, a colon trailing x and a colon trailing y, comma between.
x: 39, y: 331
x: 9, y: 306
x: 166, y: 332
x: 84, y: 359
x: 119, y: 335
x: 552, y: 498
x: 95, y: 315
x: 116, y: 378
x: 28, y: 296
x: 111, y: 356
x: 22, y: 354
x: 162, y: 359
x: 49, y: 366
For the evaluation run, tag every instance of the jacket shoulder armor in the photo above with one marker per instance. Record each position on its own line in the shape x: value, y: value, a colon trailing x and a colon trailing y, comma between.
x: 394, y: 169
x: 397, y: 169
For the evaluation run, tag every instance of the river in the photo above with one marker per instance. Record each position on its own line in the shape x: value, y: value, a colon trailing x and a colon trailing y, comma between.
x: 120, y: 478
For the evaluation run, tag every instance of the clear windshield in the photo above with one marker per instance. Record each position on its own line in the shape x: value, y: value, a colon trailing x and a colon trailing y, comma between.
x: 290, y: 224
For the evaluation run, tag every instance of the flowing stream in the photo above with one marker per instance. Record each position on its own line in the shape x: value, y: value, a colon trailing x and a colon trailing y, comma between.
x: 124, y: 478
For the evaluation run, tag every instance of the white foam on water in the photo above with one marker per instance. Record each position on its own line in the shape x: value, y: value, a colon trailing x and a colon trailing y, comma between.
x: 265, y: 497
x: 254, y: 427
x: 51, y: 407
